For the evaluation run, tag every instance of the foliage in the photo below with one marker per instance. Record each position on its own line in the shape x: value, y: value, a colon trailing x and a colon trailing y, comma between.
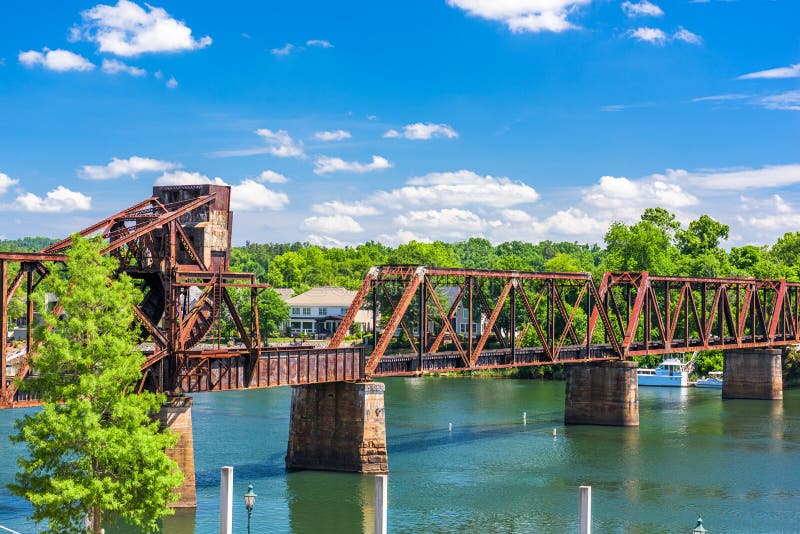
x: 93, y: 448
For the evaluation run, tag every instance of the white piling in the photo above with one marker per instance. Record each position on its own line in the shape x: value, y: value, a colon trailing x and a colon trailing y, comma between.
x: 226, y: 501
x: 449, y: 427
x: 524, y: 418
x: 381, y: 503
x: 555, y: 432
x: 585, y: 510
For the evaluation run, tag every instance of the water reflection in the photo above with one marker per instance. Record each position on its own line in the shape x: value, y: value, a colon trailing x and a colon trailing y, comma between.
x: 330, y: 502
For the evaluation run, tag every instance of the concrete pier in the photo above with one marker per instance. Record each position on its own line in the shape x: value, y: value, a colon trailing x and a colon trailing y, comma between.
x: 602, y: 393
x: 176, y: 414
x: 338, y: 427
x: 752, y: 374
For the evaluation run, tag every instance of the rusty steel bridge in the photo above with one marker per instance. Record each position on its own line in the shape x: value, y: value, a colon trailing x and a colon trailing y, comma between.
x: 176, y: 245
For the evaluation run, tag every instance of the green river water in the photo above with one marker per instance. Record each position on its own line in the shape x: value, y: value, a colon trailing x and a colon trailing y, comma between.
x: 736, y: 463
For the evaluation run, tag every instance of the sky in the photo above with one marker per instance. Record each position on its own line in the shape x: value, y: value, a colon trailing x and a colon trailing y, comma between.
x: 341, y: 122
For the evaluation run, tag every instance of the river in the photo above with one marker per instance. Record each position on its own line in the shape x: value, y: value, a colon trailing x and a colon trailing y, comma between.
x: 736, y: 463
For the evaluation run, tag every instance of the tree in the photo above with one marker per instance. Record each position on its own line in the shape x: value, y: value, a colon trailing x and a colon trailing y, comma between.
x: 94, y: 449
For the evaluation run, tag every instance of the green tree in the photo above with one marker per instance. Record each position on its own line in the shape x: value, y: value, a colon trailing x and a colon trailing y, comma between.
x: 644, y: 246
x: 94, y: 449
x: 436, y: 254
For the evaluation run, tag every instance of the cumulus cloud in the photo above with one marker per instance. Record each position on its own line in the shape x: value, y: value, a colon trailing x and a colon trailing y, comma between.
x: 687, y: 37
x: 57, y: 60
x: 634, y: 195
x: 253, y: 196
x: 280, y: 143
x: 125, y: 167
x: 115, y: 66
x: 334, y: 224
x: 6, y: 182
x: 285, y: 50
x: 459, y: 188
x: 524, y: 15
x: 272, y: 177
x: 792, y: 71
x: 335, y: 207
x: 452, y: 223
x: 641, y: 9
x: 325, y: 164
x: 649, y: 35
x: 335, y: 135
x: 248, y: 195
x: 127, y: 29
x: 172, y: 83
x: 423, y: 131
x: 326, y: 241
x: 59, y: 200
x: 322, y: 43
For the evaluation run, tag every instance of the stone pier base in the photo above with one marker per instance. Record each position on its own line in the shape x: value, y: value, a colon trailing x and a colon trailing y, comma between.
x: 752, y: 374
x: 176, y: 414
x: 602, y: 393
x: 338, y: 426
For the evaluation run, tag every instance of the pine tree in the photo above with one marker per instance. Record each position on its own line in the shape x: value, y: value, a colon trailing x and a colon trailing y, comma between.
x: 94, y: 449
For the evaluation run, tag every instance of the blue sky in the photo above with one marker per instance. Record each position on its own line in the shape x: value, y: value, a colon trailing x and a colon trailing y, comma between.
x: 442, y: 119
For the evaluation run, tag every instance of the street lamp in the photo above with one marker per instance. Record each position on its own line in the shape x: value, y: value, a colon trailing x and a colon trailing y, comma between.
x: 699, y: 528
x: 249, y: 502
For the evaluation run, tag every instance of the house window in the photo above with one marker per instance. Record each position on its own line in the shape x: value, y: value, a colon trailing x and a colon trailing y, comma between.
x: 306, y: 311
x: 475, y: 329
x: 295, y: 311
x: 462, y: 328
x: 465, y: 314
x: 323, y: 311
x: 344, y: 311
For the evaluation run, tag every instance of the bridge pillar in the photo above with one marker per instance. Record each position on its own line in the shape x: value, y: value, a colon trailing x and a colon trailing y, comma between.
x: 752, y: 374
x: 338, y: 426
x: 602, y: 393
x: 176, y: 414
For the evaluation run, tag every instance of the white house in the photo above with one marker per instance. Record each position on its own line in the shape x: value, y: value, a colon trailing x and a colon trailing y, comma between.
x: 319, y: 311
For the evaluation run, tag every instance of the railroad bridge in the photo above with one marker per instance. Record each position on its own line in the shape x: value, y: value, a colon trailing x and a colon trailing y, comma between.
x: 176, y: 245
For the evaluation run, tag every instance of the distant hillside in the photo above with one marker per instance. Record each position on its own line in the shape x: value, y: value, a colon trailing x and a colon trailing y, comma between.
x: 25, y: 244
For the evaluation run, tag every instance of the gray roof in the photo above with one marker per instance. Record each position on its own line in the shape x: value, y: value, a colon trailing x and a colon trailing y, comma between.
x: 323, y: 296
x: 284, y: 292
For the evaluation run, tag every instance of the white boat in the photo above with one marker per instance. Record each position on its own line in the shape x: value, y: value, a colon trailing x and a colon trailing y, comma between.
x: 713, y: 380
x: 672, y: 372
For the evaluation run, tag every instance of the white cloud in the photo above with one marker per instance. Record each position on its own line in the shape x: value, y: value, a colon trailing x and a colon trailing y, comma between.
x: 58, y: 60
x: 186, y: 178
x: 453, y: 223
x: 114, y: 66
x: 641, y: 9
x: 59, y: 200
x: 402, y: 236
x: 629, y: 197
x: 739, y: 179
x: 335, y: 207
x: 285, y: 50
x: 322, y: 43
x: 253, y: 196
x: 325, y: 164
x: 459, y: 188
x: 649, y: 35
x: 335, y: 135
x: 280, y: 143
x: 334, y: 224
x: 515, y: 216
x: 792, y: 71
x: 687, y: 37
x: 721, y: 98
x: 127, y: 29
x: 6, y: 182
x: 524, y: 15
x: 789, y: 100
x: 125, y: 167
x: 272, y: 177
x: 420, y: 130
x: 249, y: 195
x: 326, y: 241
x: 172, y: 83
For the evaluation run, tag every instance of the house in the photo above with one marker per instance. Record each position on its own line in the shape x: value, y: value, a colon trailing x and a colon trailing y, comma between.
x: 319, y: 311
x: 461, y: 319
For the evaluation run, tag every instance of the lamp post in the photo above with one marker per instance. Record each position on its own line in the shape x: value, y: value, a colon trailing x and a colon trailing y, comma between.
x: 699, y: 528
x: 249, y: 502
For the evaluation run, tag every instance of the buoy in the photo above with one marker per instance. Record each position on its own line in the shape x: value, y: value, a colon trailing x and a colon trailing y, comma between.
x: 450, y: 427
x: 555, y: 432
x: 524, y: 418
